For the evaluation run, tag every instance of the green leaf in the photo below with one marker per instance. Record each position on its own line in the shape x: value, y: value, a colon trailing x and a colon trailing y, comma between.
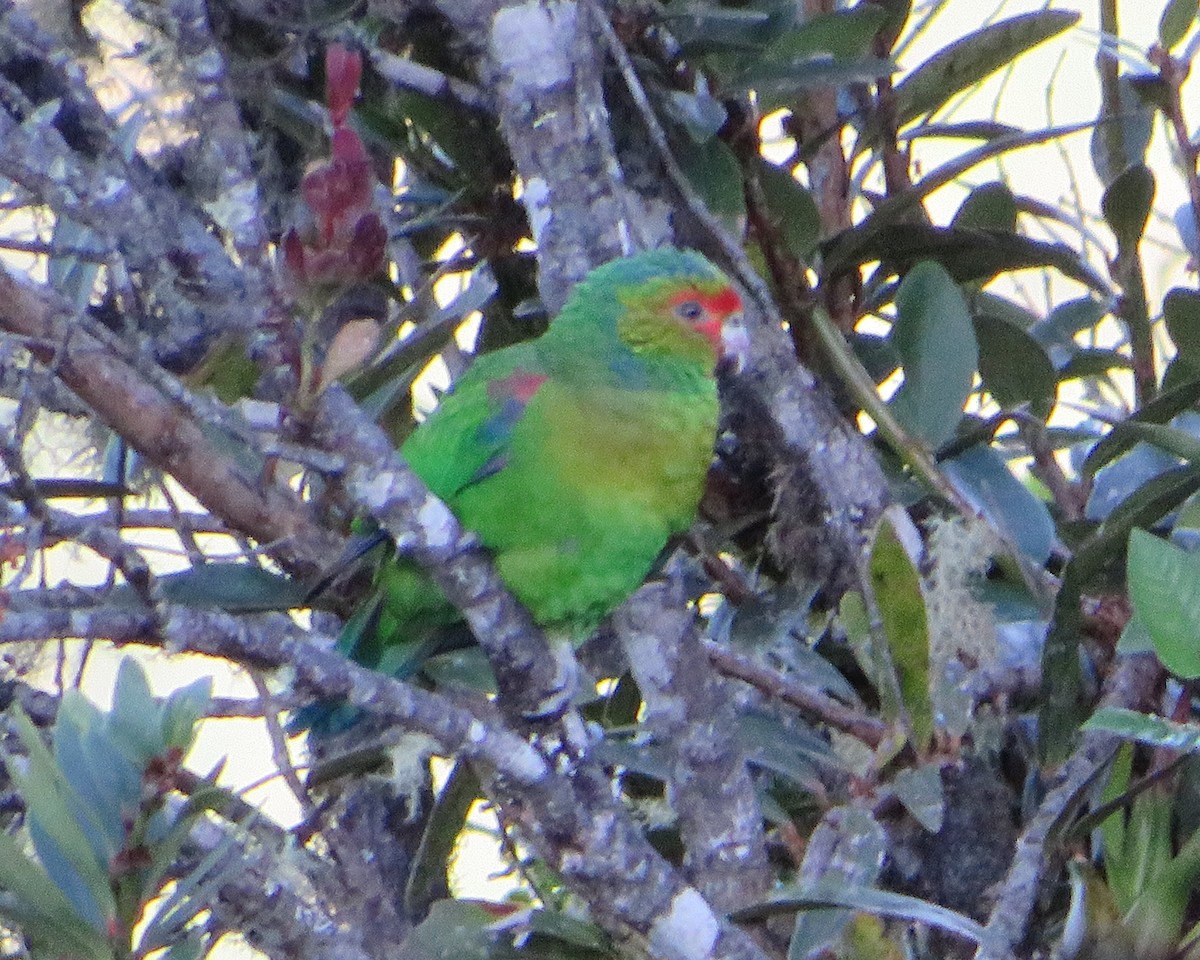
x: 1013, y: 365
x: 967, y: 253
x: 43, y: 909
x: 1181, y: 311
x: 1164, y: 585
x: 986, y: 482
x: 428, y: 880
x: 845, y: 34
x: 1145, y: 728
x: 807, y: 73
x: 1093, y: 363
x: 936, y: 340
x: 920, y: 790
x: 975, y: 57
x: 1121, y: 138
x: 182, y: 710
x: 990, y: 206
x: 1125, y: 435
x: 897, y: 587
x: 1176, y: 21
x: 1127, y: 203
x: 67, y: 847
x: 968, y: 130
x: 1067, y: 319
x: 232, y: 587
x: 883, y: 903
x: 136, y: 718
x: 792, y: 209
x: 846, y: 850
x: 716, y: 174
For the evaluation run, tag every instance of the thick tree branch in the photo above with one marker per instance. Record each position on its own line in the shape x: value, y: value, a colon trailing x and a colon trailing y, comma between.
x: 689, y: 712
x: 570, y: 818
x: 163, y: 433
x: 536, y: 681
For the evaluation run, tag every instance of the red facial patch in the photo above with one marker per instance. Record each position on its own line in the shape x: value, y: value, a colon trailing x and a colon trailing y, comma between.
x: 723, y: 303
x: 717, y: 307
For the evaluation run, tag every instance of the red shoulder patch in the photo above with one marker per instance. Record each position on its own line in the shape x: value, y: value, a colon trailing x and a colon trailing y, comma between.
x: 520, y: 385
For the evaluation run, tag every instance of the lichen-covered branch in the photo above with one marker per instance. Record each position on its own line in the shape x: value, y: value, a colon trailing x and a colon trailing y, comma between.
x: 689, y: 712
x: 535, y: 681
x: 162, y: 432
x: 1130, y: 685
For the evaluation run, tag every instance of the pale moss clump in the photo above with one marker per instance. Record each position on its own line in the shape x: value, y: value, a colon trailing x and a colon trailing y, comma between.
x: 962, y: 630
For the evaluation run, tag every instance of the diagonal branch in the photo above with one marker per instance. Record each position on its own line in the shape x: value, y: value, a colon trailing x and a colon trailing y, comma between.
x: 570, y: 818
x: 162, y: 432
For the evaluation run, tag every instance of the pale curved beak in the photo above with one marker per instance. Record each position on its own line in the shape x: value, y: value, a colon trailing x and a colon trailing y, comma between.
x: 735, y: 344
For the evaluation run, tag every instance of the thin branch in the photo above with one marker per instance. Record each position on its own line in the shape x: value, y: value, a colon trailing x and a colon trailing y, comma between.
x: 820, y: 706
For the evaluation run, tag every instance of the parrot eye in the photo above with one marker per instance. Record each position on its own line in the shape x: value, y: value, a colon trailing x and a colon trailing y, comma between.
x: 690, y: 311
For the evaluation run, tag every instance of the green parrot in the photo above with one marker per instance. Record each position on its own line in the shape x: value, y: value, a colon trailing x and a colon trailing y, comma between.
x: 574, y: 457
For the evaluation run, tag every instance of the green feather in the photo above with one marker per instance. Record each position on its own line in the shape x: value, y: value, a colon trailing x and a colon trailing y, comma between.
x: 577, y: 456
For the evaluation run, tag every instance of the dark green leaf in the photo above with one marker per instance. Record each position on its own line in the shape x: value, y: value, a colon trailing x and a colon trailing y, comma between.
x: 1123, y: 477
x: 1162, y: 409
x: 1127, y: 203
x: 1164, y: 585
x: 1093, y: 363
x: 1121, y: 139
x: 882, y: 903
x: 700, y: 113
x: 845, y: 34
x: 968, y: 254
x: 716, y: 174
x: 990, y: 206
x: 846, y: 850
x: 809, y: 72
x: 1014, y: 367
x: 984, y: 303
x: 1176, y: 21
x: 935, y: 338
x: 1181, y: 311
x: 970, y: 130
x: 975, y: 57
x: 1067, y: 319
x: 792, y: 209
x: 232, y: 587
x: 428, y: 880
x: 878, y: 355
x: 982, y: 476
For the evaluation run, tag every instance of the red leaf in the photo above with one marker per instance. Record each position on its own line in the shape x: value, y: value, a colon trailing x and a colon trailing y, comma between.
x: 343, y: 71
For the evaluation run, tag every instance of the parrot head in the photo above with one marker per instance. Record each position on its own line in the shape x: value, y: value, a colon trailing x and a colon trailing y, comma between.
x: 669, y: 303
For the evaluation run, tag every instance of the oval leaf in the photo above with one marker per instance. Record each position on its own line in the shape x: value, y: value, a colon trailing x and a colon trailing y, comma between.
x: 1126, y: 204
x: 975, y: 57
x: 990, y: 206
x: 936, y: 341
x: 1176, y: 21
x: 1014, y: 367
x: 1181, y: 311
x: 1164, y: 585
x: 984, y: 479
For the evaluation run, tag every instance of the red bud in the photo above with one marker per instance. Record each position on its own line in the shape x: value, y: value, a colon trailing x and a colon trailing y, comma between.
x: 343, y: 71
